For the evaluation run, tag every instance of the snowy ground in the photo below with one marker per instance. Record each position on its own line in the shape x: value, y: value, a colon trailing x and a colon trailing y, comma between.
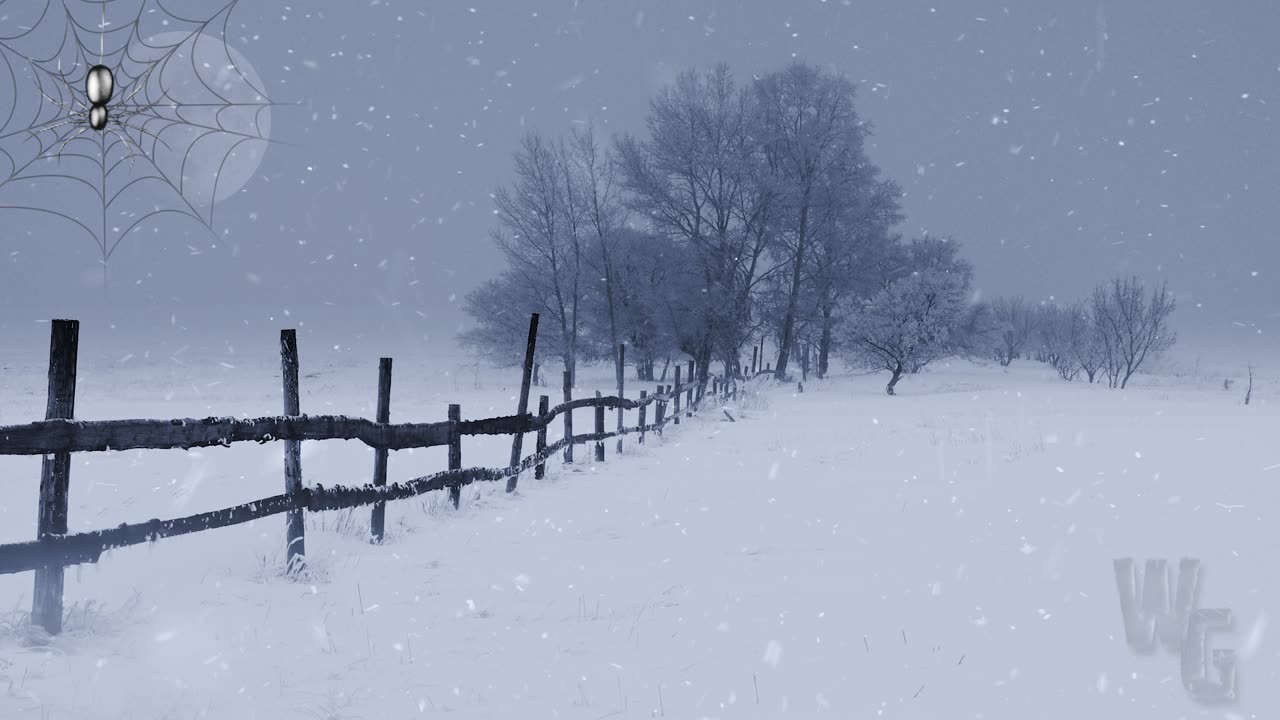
x: 942, y: 554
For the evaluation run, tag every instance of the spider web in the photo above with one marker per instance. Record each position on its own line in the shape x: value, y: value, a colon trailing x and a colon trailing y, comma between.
x: 189, y: 119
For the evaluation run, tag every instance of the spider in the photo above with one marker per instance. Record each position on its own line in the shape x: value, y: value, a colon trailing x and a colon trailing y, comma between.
x: 94, y: 111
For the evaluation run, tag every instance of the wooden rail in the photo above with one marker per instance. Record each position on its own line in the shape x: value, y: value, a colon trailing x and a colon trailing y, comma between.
x: 60, y: 435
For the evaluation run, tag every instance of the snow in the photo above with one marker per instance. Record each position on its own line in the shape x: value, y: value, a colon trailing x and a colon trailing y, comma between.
x: 943, y: 553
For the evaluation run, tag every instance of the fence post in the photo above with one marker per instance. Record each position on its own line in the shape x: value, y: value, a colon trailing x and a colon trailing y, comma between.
x: 523, y: 407
x: 455, y: 453
x: 568, y: 417
x: 378, y: 516
x: 622, y: 371
x: 754, y: 352
x: 540, y: 446
x: 675, y: 407
x: 295, y: 527
x: 599, y: 430
x: 55, y: 472
x: 643, y: 395
x: 688, y: 402
x: 659, y: 407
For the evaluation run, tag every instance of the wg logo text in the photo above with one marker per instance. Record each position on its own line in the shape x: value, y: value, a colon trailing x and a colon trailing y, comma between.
x: 1152, y: 617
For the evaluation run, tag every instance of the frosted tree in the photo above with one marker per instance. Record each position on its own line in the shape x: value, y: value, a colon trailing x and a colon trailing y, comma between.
x: 1054, y: 341
x: 695, y: 178
x: 500, y: 310
x: 650, y: 275
x: 849, y: 259
x: 1017, y: 323
x: 818, y: 173
x: 1085, y: 341
x: 1132, y: 326
x: 908, y: 324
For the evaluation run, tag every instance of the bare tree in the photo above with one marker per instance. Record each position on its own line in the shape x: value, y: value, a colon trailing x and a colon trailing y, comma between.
x: 1083, y: 340
x: 695, y: 178
x: 540, y: 220
x: 1054, y: 340
x: 848, y: 259
x: 500, y: 310
x: 594, y: 178
x: 1017, y: 321
x: 1131, y: 325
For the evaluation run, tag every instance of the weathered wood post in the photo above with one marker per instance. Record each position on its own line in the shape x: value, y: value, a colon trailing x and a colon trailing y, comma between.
x: 754, y: 351
x: 644, y: 394
x: 55, y: 472
x: 622, y: 372
x: 660, y: 407
x: 455, y: 453
x: 675, y: 399
x: 378, y: 516
x: 688, y: 402
x: 295, y: 527
x: 599, y: 429
x: 523, y: 407
x: 540, y: 445
x: 568, y: 417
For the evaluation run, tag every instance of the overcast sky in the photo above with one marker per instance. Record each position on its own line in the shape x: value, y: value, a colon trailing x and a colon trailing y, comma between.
x: 1061, y: 142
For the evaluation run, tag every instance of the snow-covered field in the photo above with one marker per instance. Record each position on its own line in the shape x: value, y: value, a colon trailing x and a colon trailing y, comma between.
x: 946, y: 553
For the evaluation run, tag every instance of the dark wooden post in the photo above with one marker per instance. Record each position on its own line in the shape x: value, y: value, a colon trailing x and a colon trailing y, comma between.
x: 675, y: 407
x: 295, y: 527
x: 540, y: 445
x: 643, y: 395
x: 754, y: 351
x: 622, y: 372
x: 659, y: 407
x: 55, y: 472
x: 599, y: 430
x: 455, y: 453
x: 523, y: 407
x: 688, y: 402
x: 568, y: 417
x: 378, y: 516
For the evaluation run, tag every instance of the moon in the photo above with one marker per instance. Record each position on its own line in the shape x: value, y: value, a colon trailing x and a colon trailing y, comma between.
x: 224, y: 95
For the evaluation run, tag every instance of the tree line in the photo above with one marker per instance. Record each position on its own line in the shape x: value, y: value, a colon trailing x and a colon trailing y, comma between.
x: 742, y: 212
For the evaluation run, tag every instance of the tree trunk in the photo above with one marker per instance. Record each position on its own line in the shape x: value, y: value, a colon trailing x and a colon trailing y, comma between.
x: 893, y: 381
x: 824, y: 344
x: 793, y: 298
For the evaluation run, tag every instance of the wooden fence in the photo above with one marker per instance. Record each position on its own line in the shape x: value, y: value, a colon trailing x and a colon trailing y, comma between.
x: 60, y: 435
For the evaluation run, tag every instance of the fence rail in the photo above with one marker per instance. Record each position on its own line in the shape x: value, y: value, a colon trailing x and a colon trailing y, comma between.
x: 58, y: 436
